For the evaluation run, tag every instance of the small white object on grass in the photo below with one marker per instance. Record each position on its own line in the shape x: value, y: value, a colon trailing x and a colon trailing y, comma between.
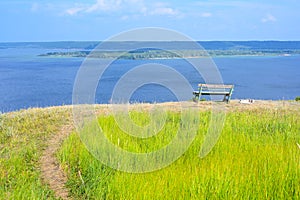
x: 298, y: 145
x: 247, y: 101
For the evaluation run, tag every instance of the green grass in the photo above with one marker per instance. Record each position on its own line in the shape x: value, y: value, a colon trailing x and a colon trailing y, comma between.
x: 256, y: 157
x: 22, y: 139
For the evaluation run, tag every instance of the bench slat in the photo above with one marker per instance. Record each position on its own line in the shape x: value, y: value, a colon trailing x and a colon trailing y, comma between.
x: 214, y: 89
x: 215, y: 86
x: 214, y: 93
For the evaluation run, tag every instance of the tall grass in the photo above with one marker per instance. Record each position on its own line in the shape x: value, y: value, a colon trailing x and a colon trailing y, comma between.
x: 256, y: 157
x: 22, y: 139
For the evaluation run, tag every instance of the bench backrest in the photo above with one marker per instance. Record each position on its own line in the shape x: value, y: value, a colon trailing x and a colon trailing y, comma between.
x: 214, y: 87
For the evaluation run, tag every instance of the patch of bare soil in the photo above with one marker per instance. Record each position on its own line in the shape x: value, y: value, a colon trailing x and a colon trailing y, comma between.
x: 232, y: 106
x: 51, y: 172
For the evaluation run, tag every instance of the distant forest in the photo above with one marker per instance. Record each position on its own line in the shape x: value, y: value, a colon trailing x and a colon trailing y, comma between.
x: 156, y: 50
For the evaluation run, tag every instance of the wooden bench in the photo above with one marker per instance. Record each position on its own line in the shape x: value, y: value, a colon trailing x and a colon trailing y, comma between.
x: 214, y: 89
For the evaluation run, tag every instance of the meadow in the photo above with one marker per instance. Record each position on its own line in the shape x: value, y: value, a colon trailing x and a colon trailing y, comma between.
x: 256, y: 157
x: 23, y: 137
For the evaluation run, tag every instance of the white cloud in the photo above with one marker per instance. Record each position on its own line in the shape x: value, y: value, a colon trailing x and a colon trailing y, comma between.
x: 163, y: 11
x: 105, y: 5
x: 162, y: 8
x: 268, y: 18
x: 100, y: 5
x: 74, y: 11
x: 206, y: 14
x: 126, y: 8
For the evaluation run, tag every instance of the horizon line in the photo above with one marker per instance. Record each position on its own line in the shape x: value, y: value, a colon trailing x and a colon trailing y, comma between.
x: 149, y: 41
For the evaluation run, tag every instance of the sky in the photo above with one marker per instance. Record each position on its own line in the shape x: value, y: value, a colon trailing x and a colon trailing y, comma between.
x: 97, y: 20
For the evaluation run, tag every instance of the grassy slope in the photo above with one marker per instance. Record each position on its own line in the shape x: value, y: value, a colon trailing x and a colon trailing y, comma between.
x: 256, y: 157
x: 22, y: 138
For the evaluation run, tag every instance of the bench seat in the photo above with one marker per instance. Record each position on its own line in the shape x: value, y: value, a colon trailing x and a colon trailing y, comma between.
x: 214, y: 89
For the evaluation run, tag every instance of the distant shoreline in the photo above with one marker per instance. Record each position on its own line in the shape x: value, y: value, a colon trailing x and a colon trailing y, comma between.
x: 159, y: 49
x: 160, y: 54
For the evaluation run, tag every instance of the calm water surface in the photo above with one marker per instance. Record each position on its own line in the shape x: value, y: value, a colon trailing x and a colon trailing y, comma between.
x: 27, y: 80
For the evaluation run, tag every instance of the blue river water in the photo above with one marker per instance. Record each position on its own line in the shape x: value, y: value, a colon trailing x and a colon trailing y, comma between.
x: 28, y: 80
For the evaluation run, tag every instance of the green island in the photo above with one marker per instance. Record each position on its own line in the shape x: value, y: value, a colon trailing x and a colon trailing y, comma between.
x: 170, y: 54
x: 256, y: 156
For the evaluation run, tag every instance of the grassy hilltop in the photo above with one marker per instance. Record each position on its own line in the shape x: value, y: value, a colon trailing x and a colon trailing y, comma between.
x: 256, y: 156
x: 23, y: 136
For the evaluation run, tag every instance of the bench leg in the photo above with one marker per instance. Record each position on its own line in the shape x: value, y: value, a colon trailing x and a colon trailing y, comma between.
x: 227, y: 98
x: 196, y: 98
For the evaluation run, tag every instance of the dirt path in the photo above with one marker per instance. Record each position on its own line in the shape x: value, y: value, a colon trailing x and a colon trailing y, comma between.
x: 52, y: 174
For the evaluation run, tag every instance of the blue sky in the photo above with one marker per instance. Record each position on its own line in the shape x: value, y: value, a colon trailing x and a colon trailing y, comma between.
x: 90, y: 20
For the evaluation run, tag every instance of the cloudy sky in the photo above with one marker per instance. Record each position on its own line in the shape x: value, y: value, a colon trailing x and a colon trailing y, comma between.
x: 94, y: 20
